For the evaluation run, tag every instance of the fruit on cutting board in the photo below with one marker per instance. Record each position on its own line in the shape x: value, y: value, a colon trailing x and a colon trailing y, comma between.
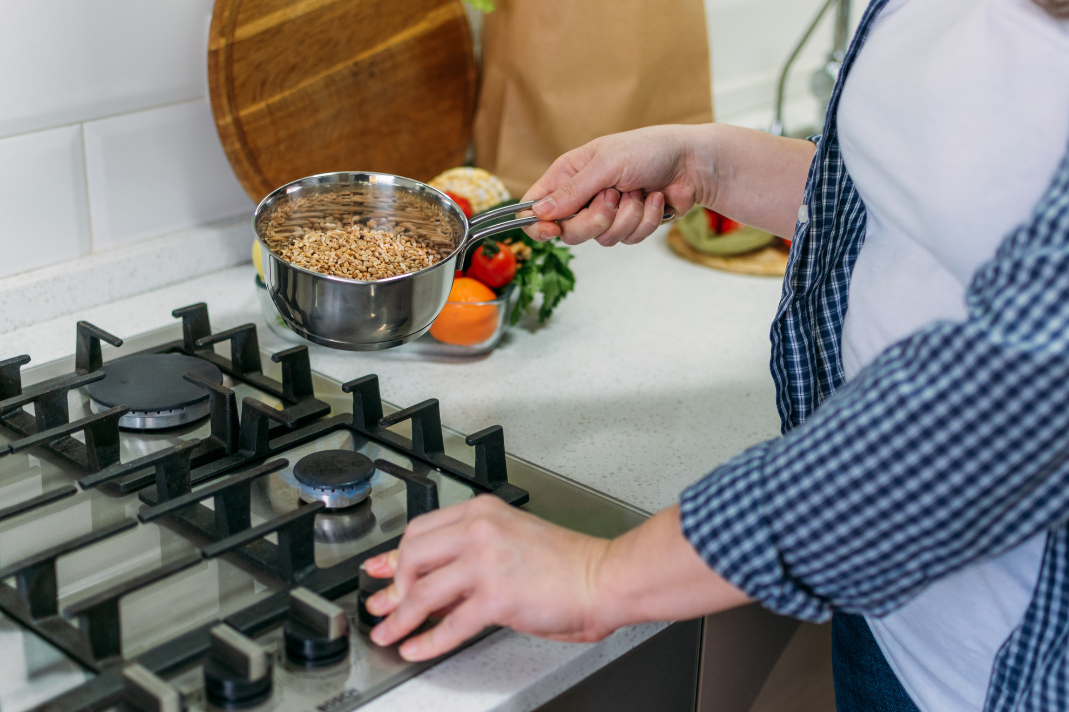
x: 464, y: 321
x: 710, y: 232
x: 493, y: 264
x: 721, y: 224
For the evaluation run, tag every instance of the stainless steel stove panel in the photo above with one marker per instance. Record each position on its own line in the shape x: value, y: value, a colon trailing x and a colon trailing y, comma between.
x: 200, y: 594
x: 361, y: 676
x: 33, y: 671
x: 213, y: 589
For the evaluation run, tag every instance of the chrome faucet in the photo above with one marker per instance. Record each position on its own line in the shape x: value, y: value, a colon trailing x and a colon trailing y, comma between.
x: 823, y: 79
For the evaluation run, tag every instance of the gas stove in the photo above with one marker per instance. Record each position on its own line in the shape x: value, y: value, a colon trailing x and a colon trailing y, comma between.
x: 182, y: 525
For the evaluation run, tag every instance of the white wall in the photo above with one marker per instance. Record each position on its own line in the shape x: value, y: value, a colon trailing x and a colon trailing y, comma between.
x: 106, y: 134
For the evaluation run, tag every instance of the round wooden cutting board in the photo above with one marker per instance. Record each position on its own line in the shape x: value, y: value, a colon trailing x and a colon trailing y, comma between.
x: 769, y: 261
x: 300, y: 87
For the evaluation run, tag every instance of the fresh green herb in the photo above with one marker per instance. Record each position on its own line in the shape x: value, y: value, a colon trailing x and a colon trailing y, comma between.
x: 484, y: 5
x: 557, y: 278
x: 545, y: 272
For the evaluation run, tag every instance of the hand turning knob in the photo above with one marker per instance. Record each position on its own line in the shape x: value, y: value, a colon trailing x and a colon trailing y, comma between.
x: 317, y: 632
x: 237, y: 673
x: 368, y: 585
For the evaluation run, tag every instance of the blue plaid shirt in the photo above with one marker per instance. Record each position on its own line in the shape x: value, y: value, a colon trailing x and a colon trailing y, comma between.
x: 950, y: 448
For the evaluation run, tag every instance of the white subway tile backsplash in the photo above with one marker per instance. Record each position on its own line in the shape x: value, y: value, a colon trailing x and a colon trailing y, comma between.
x: 42, y: 199
x: 42, y: 294
x: 158, y: 171
x: 64, y: 61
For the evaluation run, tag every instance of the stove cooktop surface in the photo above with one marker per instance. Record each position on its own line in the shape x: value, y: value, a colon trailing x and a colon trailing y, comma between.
x: 215, y: 564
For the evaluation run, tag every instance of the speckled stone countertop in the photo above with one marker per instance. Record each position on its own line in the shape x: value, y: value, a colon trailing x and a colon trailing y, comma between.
x: 650, y: 374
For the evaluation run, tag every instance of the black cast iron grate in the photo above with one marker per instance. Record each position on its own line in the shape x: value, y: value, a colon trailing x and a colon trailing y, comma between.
x: 230, y: 459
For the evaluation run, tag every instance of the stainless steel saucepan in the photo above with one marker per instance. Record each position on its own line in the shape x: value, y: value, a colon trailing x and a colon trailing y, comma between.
x: 368, y: 316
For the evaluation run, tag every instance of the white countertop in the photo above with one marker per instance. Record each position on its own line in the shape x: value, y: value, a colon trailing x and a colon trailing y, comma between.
x: 651, y: 373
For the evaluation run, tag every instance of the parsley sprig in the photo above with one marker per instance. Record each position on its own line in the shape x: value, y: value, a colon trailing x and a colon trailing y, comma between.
x: 545, y: 272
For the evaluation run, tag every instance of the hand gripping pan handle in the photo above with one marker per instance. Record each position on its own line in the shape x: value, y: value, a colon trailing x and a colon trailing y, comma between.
x: 475, y: 235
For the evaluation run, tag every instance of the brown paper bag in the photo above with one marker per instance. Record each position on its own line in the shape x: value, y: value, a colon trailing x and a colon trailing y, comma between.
x: 558, y: 73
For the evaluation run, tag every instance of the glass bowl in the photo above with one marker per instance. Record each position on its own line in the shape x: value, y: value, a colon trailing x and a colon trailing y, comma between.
x: 426, y: 344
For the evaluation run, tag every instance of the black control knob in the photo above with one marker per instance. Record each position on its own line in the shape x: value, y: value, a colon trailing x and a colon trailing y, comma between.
x: 145, y: 691
x: 317, y: 632
x: 368, y: 586
x: 237, y: 673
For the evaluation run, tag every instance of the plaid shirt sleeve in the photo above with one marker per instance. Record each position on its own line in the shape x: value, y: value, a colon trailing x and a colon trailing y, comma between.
x: 949, y: 448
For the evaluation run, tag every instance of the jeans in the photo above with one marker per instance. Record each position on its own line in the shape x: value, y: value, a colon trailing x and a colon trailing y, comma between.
x: 864, y: 682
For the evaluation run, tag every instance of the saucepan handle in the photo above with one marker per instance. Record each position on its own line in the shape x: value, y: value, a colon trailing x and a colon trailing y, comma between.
x: 475, y: 235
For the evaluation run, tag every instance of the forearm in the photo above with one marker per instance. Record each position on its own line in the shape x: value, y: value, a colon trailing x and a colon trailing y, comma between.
x: 753, y: 177
x: 617, y: 186
x: 653, y: 573
x: 946, y: 450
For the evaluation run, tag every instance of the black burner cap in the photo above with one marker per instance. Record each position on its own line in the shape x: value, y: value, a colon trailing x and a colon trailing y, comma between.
x: 333, y: 469
x: 153, y: 382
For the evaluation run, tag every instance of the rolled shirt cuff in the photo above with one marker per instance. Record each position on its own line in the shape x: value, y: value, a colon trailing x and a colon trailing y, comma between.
x: 723, y: 518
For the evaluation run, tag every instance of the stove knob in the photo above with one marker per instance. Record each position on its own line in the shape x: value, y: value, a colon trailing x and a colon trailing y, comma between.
x: 368, y: 585
x: 237, y: 673
x: 317, y: 632
x: 146, y: 692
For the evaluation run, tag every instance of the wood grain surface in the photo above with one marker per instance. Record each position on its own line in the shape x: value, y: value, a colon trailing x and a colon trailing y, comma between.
x: 300, y: 87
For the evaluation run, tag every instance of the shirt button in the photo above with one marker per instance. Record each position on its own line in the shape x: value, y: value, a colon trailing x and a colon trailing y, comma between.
x: 803, y: 213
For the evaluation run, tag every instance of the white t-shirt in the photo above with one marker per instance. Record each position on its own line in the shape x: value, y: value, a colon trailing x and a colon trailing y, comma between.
x: 952, y: 122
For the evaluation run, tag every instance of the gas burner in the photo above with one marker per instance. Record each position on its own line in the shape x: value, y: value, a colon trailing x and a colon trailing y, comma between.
x: 153, y: 387
x: 345, y: 525
x: 337, y: 478
x: 248, y: 510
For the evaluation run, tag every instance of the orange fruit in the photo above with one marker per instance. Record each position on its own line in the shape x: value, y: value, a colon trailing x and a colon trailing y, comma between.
x: 463, y: 320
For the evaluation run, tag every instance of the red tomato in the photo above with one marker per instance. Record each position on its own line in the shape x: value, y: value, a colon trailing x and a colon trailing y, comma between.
x: 494, y: 270
x: 463, y: 203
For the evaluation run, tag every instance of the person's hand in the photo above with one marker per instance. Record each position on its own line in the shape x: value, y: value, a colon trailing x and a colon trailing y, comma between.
x: 630, y: 177
x: 483, y: 563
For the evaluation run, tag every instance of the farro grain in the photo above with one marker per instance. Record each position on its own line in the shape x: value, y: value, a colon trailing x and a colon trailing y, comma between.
x: 362, y: 252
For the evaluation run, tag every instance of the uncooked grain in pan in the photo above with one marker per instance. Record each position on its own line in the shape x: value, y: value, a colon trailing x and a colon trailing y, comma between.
x: 360, y: 253
x: 361, y: 250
